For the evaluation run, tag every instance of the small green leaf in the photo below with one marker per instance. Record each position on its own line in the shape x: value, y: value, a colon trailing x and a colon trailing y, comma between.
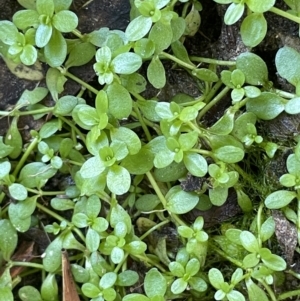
x: 266, y: 106
x: 92, y: 240
x: 135, y: 297
x: 50, y: 128
x: 29, y: 293
x: 80, y: 55
x: 179, y: 201
x: 118, y: 179
x: 65, y: 21
x: 178, y: 286
x: 233, y: 13
x: 138, y: 28
x: 56, y: 50
x: 158, y: 30
x: 13, y: 138
x: 43, y: 35
x: 258, y: 6
x: 18, y: 191
x: 8, y: 239
x: 49, y: 288
x: 229, y: 154
x: 154, y: 283
x: 156, y: 73
x: 267, y: 229
x: 52, y: 255
x: 218, y: 195
x: 253, y: 29
x: 126, y: 63
x: 127, y: 278
x: 255, y: 292
x: 249, y: 241
x: 120, y: 102
x: 195, y: 164
x: 215, y: 278
x: 279, y: 199
x: 293, y: 106
x: 257, y: 75
x: 6, y: 294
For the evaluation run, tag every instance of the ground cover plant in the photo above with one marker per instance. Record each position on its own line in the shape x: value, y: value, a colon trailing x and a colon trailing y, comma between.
x: 128, y: 185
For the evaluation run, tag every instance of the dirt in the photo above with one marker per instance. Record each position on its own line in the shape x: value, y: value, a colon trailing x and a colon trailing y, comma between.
x: 213, y: 40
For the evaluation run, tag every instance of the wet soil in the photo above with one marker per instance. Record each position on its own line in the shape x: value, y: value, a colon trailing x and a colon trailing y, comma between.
x: 213, y: 40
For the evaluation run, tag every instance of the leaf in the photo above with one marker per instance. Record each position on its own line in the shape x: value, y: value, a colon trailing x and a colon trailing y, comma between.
x: 130, y: 138
x: 135, y: 297
x: 267, y: 106
x: 205, y: 75
x: 127, y: 278
x: 156, y: 73
x: 179, y: 201
x: 293, y: 106
x: 50, y: 128
x: 92, y: 240
x: 126, y: 63
x: 8, y: 239
x: 272, y: 261
x: 138, y: 28
x: 29, y: 293
x: 32, y: 97
x: 8, y: 32
x: 178, y: 286
x: 5, y: 167
x: 161, y: 34
x: 18, y: 191
x: 249, y: 241
x: 224, y: 125
x: 56, y: 50
x: 80, y: 55
x: 195, y: 164
x: 6, y: 294
x: 193, y: 21
x: 49, y: 288
x: 233, y: 13
x: 253, y: 29
x: 258, y: 6
x: 229, y: 154
x: 267, y: 229
x: 255, y: 292
x: 26, y: 18
x: 65, y: 105
x: 65, y: 21
x: 253, y: 67
x: 120, y: 102
x: 118, y: 179
x: 29, y: 55
x: 154, y: 283
x: 13, y: 138
x: 52, y: 255
x: 215, y: 278
x: 218, y: 195
x: 93, y: 167
x: 279, y: 199
x: 43, y: 35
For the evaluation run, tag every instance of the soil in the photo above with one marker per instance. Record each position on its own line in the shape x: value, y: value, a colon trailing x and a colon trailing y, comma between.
x: 213, y: 40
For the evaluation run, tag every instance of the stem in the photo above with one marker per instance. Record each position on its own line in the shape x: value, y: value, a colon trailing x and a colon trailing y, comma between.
x: 27, y: 264
x: 72, y: 125
x: 60, y: 218
x: 284, y: 14
x: 78, y: 34
x: 178, y: 61
x: 156, y: 189
x: 141, y: 120
x: 259, y: 213
x: 78, y: 80
x: 213, y: 102
x: 22, y: 161
x: 43, y: 193
x: 153, y: 229
x: 268, y: 289
x: 212, y: 61
x: 224, y: 255
x: 289, y: 295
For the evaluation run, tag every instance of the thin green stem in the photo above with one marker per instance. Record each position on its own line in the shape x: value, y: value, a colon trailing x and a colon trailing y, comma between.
x: 141, y: 120
x: 153, y: 229
x: 44, y: 193
x: 213, y: 102
x: 28, y: 151
x: 212, y: 61
x: 60, y: 218
x: 78, y: 34
x: 284, y: 14
x: 224, y: 255
x: 78, y: 80
x: 177, y: 60
x: 289, y: 295
x: 156, y: 189
x: 26, y: 264
x: 259, y: 221
x: 72, y: 125
x: 268, y: 289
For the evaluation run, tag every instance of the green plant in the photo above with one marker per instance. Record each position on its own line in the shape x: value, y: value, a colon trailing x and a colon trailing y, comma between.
x: 125, y: 159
